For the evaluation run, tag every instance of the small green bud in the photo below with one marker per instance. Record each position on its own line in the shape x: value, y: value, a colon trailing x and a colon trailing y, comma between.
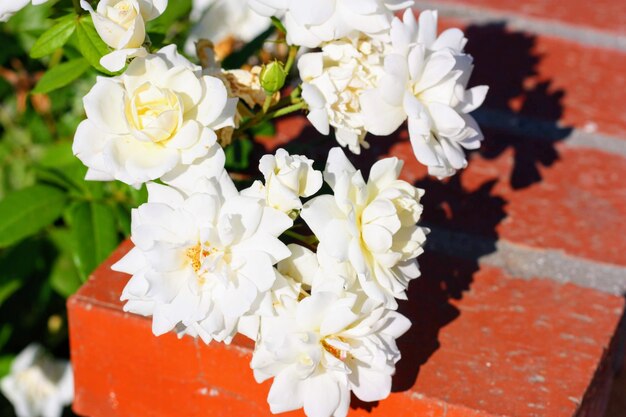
x: 273, y: 77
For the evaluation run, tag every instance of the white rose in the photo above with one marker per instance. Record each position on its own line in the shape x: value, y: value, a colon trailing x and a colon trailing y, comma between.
x: 320, y: 349
x: 310, y: 23
x: 9, y: 7
x: 160, y: 114
x: 371, y: 226
x: 122, y: 25
x: 287, y: 178
x: 38, y: 385
x: 199, y: 176
x: 219, y: 20
x: 201, y: 262
x: 334, y: 80
x: 425, y: 81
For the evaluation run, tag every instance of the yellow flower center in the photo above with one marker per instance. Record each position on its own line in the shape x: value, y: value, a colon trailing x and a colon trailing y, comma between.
x: 123, y: 13
x: 197, y: 254
x: 342, y: 355
x: 156, y: 113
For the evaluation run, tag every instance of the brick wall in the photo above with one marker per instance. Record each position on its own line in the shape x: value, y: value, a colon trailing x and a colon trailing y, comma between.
x: 519, y: 311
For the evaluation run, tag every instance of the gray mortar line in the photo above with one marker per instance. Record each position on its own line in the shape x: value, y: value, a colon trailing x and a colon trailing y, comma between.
x: 580, y: 34
x: 534, y: 128
x: 525, y: 262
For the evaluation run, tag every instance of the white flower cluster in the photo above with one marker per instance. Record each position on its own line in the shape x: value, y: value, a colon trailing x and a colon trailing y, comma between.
x: 311, y: 23
x: 209, y: 262
x: 212, y: 261
x: 224, y: 21
x: 361, y: 84
x: 38, y: 385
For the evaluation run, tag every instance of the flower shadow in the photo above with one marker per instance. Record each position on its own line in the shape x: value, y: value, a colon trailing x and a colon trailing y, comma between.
x: 522, y: 110
x: 520, y: 119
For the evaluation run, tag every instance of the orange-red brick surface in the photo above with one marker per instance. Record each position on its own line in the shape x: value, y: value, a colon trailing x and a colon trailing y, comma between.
x: 604, y: 15
x: 509, y: 348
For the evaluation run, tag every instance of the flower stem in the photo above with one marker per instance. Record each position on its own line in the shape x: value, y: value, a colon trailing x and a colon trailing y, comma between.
x: 293, y: 52
x: 295, y: 94
x: 264, y: 117
x: 267, y: 103
x: 307, y: 240
x: 279, y: 25
x: 286, y: 110
x: 79, y: 10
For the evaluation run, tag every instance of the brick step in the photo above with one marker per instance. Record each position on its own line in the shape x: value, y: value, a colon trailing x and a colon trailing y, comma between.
x: 606, y: 16
x: 540, y: 193
x: 544, y: 196
x: 560, y: 80
x: 482, y: 344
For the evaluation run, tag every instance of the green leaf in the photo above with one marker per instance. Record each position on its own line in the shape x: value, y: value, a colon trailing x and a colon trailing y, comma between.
x: 57, y: 154
x: 175, y: 12
x: 5, y: 364
x: 90, y: 44
x: 264, y: 129
x: 64, y: 277
x: 5, y: 334
x: 25, y: 212
x: 61, y: 75
x: 8, y: 285
x: 54, y: 38
x: 238, y: 154
x: 94, y: 235
x: 123, y: 219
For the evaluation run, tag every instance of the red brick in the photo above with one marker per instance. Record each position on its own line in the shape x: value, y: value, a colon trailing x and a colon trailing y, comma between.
x: 528, y: 191
x: 575, y: 200
x: 603, y: 15
x: 508, y: 347
x: 547, y: 77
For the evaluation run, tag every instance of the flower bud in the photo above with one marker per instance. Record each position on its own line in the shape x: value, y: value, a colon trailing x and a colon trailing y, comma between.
x: 273, y: 77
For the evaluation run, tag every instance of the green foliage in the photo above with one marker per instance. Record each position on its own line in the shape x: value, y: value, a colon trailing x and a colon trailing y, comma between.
x: 5, y: 364
x: 93, y: 234
x: 54, y: 38
x: 89, y: 43
x: 175, y: 13
x: 55, y: 227
x: 25, y: 212
x: 238, y: 154
x: 61, y: 75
